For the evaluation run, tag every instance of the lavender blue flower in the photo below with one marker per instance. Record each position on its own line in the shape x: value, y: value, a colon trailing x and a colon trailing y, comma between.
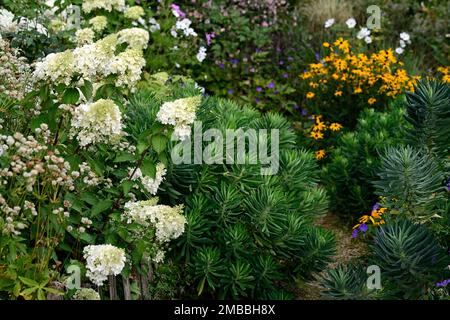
x: 443, y: 283
x: 363, y: 227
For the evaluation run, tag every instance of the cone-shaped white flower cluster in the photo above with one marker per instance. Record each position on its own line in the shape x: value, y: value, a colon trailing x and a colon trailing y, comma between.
x: 97, y: 60
x: 135, y: 37
x: 86, y: 294
x: 85, y: 36
x: 180, y: 114
x: 168, y: 221
x: 58, y: 67
x: 100, y: 121
x: 134, y: 13
x: 108, y: 5
x: 150, y: 184
x: 99, y: 23
x: 102, y: 261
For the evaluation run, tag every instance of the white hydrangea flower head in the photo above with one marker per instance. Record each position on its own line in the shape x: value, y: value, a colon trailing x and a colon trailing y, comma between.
x: 57, y: 67
x: 102, y: 261
x: 108, y: 45
x: 134, y: 13
x: 96, y: 122
x: 169, y: 222
x: 86, y: 294
x: 201, y: 55
x: 128, y: 66
x: 152, y: 184
x: 33, y: 25
x: 135, y: 37
x: 98, y: 23
x: 91, y: 60
x: 351, y: 23
x: 10, y: 23
x: 84, y: 36
x: 180, y: 114
x: 7, y: 23
x: 329, y: 23
x: 57, y: 25
x: 108, y: 5
x: 159, y: 257
x: 88, y: 60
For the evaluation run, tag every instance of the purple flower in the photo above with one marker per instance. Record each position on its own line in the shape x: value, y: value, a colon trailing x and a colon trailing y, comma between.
x: 281, y: 62
x: 296, y: 107
x: 234, y: 61
x: 258, y: 89
x: 221, y: 65
x: 271, y: 85
x: 230, y: 91
x: 304, y: 112
x: 354, y: 233
x: 317, y: 56
x: 448, y: 185
x: 177, y: 11
x: 209, y: 37
x: 285, y: 75
x: 363, y: 227
x: 376, y: 206
x: 278, y: 49
x: 276, y: 92
x: 290, y: 58
x: 257, y: 100
x: 258, y: 50
x: 443, y: 283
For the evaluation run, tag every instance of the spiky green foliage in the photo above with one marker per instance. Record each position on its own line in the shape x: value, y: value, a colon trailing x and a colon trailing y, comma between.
x: 411, y: 181
x: 409, y: 257
x: 353, y: 163
x: 248, y: 233
x: 346, y: 282
x: 428, y: 109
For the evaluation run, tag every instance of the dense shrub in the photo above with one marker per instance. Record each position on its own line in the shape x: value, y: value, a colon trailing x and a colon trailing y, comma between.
x: 248, y: 234
x: 409, y: 257
x: 353, y: 163
x: 411, y: 245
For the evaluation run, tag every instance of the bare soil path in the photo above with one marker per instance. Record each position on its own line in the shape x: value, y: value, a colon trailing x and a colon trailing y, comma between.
x: 347, y: 249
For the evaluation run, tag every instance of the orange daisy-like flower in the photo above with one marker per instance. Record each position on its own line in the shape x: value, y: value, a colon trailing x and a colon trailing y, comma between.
x: 338, y: 93
x: 335, y: 126
x: 371, y: 101
x: 320, y: 154
x: 310, y: 95
x: 316, y: 135
x: 326, y: 44
x: 319, y: 126
x: 364, y: 219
